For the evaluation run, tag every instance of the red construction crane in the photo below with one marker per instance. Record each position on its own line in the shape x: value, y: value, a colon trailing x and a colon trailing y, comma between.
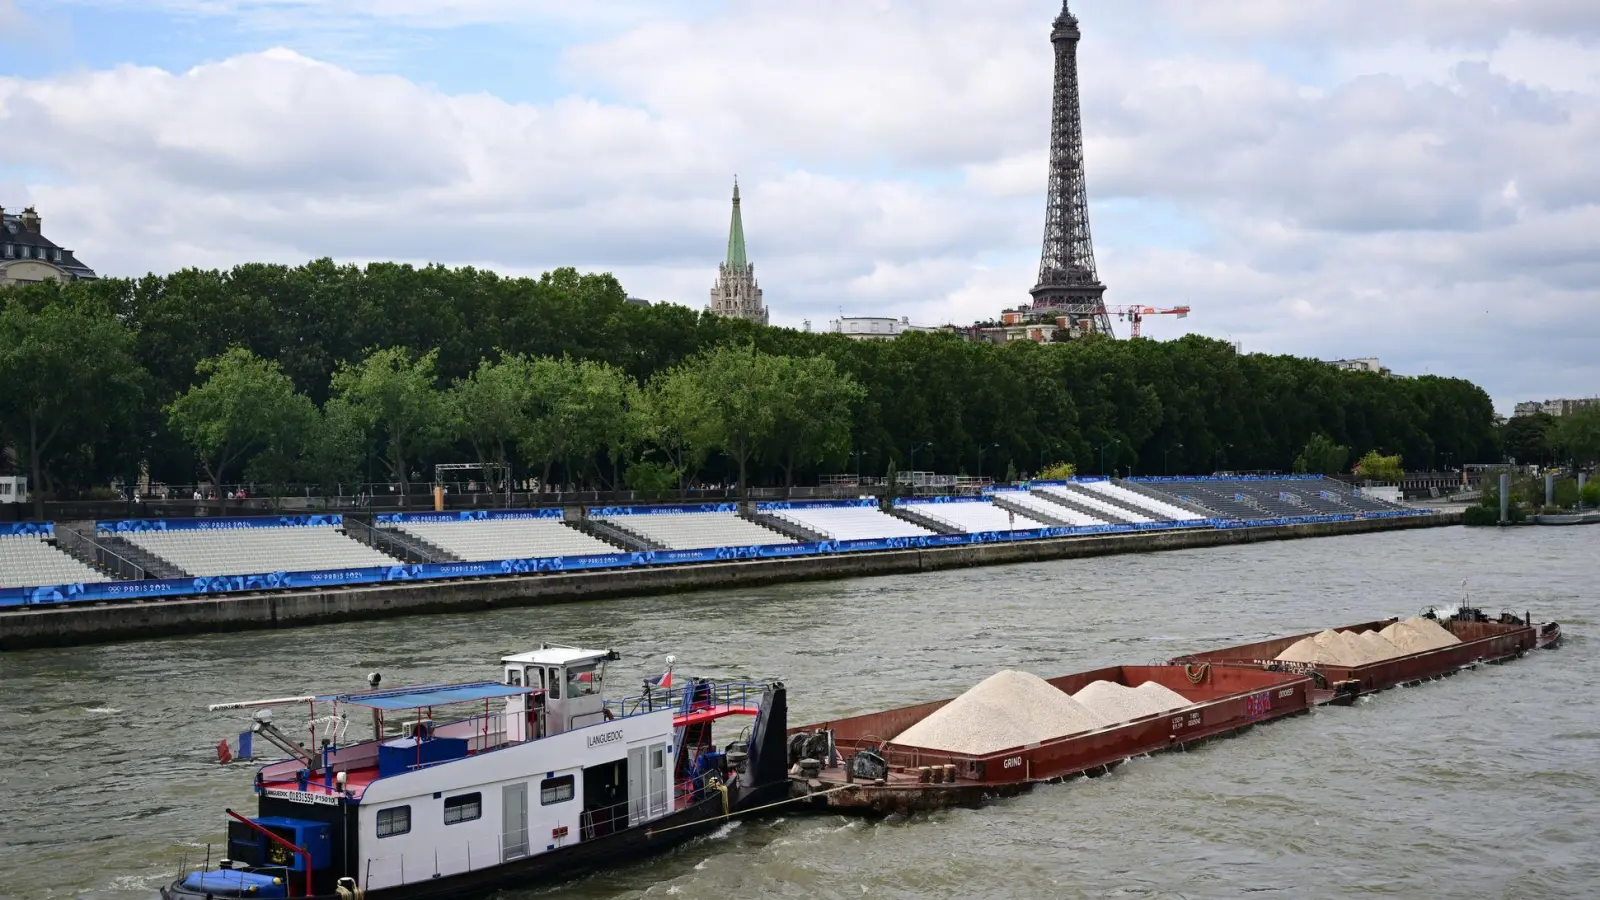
x: 1136, y: 314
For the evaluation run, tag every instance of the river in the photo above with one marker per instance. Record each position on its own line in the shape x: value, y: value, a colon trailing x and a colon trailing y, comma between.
x: 1483, y: 785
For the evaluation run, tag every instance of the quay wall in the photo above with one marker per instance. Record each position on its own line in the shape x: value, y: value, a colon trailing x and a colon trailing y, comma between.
x: 66, y: 625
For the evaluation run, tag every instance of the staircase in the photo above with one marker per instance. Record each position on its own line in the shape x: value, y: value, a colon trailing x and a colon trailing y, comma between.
x: 918, y: 516
x: 788, y: 529
x: 1100, y: 514
x: 1113, y: 501
x: 85, y: 549
x: 393, y: 542
x: 1034, y: 514
x: 614, y: 534
x: 153, y: 565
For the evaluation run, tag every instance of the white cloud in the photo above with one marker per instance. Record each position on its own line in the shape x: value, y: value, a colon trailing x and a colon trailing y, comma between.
x: 1420, y: 187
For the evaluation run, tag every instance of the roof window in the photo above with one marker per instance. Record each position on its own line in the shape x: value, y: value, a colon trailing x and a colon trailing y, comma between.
x: 11, y: 251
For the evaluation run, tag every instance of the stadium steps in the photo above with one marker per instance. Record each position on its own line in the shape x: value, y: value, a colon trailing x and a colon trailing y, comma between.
x: 401, y: 545
x: 1034, y: 514
x: 74, y: 540
x: 614, y: 534
x: 927, y: 520
x: 1080, y: 507
x: 788, y: 529
x: 1118, y: 502
x: 153, y: 565
x: 1169, y: 499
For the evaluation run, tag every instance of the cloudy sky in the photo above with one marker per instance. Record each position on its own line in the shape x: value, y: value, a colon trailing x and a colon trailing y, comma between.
x: 1410, y: 179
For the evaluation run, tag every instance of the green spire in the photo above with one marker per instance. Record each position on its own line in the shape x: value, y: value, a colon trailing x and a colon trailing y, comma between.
x: 736, y: 258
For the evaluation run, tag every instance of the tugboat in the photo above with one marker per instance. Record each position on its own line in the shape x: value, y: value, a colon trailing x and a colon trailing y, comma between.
x: 555, y: 782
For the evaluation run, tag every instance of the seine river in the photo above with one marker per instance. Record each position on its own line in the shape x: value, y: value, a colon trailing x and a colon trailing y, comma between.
x: 1484, y: 785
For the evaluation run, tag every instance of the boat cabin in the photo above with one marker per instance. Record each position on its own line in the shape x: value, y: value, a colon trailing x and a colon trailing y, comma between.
x: 458, y: 778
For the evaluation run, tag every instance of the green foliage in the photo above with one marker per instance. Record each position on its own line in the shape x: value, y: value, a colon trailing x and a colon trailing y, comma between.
x: 1577, y: 435
x: 1011, y: 472
x: 1480, y: 515
x: 246, y: 410
x: 1322, y: 456
x: 1590, y: 495
x: 392, y: 397
x: 1060, y: 471
x: 891, y: 481
x: 1378, y: 467
x: 1566, y: 493
x: 652, y: 477
x: 811, y: 413
x: 1527, y: 439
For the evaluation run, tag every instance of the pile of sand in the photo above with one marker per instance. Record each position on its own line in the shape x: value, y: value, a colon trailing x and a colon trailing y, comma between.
x: 1163, y: 698
x: 1328, y: 648
x: 1117, y: 702
x: 1007, y: 709
x: 1378, y: 647
x: 1417, y: 634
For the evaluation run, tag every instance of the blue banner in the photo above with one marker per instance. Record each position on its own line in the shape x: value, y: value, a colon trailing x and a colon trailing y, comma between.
x: 814, y: 504
x: 215, y: 524
x: 1178, y: 479
x: 468, y: 515
x: 663, y: 510
x: 934, y: 501
x: 48, y: 529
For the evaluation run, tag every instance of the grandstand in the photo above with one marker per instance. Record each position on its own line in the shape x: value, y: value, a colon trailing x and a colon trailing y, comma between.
x: 1071, y: 517
x: 1272, y: 498
x: 696, y: 530
x: 483, y: 540
x: 1149, y: 505
x: 974, y: 517
x: 848, y: 523
x: 28, y: 560
x: 1098, y: 507
x: 251, y: 550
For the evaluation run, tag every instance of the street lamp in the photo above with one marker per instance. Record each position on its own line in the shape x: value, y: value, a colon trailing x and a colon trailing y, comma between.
x: 1219, y: 454
x: 1165, y: 454
x: 912, y: 463
x: 856, y: 455
x: 980, y: 457
x: 1103, y: 454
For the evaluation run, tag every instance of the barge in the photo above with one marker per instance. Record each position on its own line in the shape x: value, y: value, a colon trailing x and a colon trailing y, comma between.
x: 534, y: 779
x: 852, y: 765
x: 1482, y: 640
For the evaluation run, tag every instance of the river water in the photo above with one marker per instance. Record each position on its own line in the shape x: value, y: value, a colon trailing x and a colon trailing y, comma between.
x: 1482, y: 785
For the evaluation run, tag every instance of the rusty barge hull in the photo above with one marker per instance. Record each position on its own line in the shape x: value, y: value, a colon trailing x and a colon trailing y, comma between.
x: 1481, y: 642
x: 1226, y: 700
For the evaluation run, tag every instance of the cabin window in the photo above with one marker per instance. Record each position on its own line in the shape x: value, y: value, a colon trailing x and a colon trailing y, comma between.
x: 464, y: 808
x: 555, y: 685
x: 514, y: 677
x: 555, y: 790
x: 394, y: 820
x: 583, y: 681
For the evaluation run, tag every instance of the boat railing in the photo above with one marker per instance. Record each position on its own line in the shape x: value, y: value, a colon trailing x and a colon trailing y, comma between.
x: 702, y: 695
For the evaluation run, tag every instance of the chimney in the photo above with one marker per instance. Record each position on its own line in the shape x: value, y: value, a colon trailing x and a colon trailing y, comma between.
x: 30, y: 219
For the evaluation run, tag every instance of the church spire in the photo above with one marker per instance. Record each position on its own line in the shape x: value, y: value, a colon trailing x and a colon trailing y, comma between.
x: 736, y: 255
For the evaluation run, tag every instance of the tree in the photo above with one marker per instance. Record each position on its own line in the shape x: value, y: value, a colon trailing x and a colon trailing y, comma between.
x: 392, y: 397
x: 1377, y: 467
x: 576, y: 409
x: 1057, y: 472
x: 1527, y: 438
x: 491, y: 409
x: 245, y: 409
x: 338, y: 447
x: 1011, y: 472
x: 811, y: 413
x: 67, y: 373
x: 1322, y: 456
x: 669, y: 414
x: 740, y: 393
x: 1578, y: 435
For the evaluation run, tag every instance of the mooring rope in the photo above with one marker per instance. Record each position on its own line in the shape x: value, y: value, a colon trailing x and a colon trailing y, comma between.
x: 649, y: 832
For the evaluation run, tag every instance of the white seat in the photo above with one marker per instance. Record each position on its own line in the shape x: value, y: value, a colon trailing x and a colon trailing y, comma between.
x: 250, y: 551
x: 1154, y: 507
x: 27, y: 560
x: 976, y: 516
x: 1053, y: 510
x: 485, y: 540
x: 698, y: 530
x: 1094, y: 503
x: 849, y: 523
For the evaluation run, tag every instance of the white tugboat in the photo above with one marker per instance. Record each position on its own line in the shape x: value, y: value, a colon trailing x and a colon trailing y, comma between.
x: 515, y: 783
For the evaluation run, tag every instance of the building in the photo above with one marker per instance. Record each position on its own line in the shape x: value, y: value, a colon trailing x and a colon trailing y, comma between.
x: 1068, y: 283
x: 27, y: 256
x: 874, y: 328
x: 736, y: 293
x: 1361, y: 364
x: 1023, y: 323
x: 1554, y: 407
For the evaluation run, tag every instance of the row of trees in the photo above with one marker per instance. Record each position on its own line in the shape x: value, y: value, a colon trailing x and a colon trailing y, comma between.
x: 321, y: 372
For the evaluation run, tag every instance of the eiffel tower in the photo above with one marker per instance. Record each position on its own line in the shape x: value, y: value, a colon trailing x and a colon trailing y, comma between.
x: 1068, y: 284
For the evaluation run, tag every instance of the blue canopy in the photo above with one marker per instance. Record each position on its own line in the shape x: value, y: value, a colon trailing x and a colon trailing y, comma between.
x: 432, y: 695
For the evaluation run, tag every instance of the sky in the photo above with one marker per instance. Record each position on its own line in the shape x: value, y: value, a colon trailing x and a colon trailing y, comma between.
x: 1415, y: 180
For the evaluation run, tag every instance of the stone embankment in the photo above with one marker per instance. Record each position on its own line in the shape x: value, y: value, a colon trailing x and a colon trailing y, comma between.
x: 42, y: 626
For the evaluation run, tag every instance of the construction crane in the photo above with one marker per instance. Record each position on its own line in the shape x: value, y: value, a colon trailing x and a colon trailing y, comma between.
x: 1136, y: 314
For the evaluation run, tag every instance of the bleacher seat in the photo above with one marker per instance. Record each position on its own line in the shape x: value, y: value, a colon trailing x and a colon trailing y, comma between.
x: 1053, y: 510
x: 1094, y: 503
x: 492, y: 539
x: 28, y: 560
x: 1156, y: 509
x: 249, y: 551
x: 849, y: 523
x: 1267, y: 498
x: 976, y: 517
x: 697, y: 530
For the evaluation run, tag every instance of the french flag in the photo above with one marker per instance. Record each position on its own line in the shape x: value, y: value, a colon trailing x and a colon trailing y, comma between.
x: 664, y: 680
